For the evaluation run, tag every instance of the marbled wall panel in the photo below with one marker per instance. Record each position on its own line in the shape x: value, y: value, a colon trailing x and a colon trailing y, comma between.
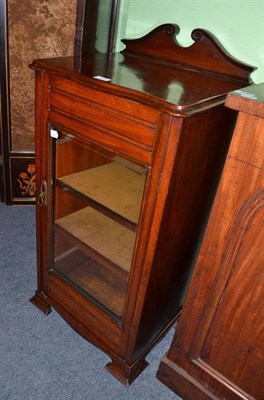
x: 37, y: 29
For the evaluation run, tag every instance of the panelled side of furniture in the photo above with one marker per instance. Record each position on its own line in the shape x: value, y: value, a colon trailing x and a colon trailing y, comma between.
x: 218, y: 348
x: 130, y: 148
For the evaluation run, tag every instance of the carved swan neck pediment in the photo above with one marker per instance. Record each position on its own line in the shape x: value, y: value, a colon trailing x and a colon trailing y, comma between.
x: 206, y: 53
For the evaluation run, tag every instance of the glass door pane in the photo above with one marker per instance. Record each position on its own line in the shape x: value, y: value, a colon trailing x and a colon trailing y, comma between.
x: 97, y: 197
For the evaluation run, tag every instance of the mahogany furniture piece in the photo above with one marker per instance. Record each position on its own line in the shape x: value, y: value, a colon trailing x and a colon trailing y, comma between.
x: 218, y: 348
x: 129, y: 147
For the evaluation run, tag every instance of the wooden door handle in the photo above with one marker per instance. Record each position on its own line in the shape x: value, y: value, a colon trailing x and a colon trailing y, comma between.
x: 43, y: 194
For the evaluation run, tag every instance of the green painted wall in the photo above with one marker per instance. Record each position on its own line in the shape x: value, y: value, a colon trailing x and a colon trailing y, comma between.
x: 238, y: 24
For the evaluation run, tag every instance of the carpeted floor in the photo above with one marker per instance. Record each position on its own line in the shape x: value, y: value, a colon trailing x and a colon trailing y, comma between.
x: 42, y: 358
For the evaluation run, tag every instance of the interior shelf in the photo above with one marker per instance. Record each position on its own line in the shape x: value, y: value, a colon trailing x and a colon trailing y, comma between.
x: 101, y: 234
x: 104, y: 286
x: 115, y: 186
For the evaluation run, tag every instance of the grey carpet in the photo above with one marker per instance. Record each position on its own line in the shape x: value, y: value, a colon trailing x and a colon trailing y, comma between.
x: 42, y: 358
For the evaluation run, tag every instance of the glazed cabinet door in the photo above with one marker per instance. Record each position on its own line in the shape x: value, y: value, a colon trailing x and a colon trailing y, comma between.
x: 97, y: 197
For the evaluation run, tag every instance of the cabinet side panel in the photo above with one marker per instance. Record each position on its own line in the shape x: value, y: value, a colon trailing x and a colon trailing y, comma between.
x: 219, y: 339
x: 198, y: 163
x: 239, y: 316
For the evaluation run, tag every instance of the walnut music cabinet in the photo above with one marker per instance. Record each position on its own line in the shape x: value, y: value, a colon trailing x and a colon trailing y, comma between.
x: 218, y: 349
x: 128, y: 150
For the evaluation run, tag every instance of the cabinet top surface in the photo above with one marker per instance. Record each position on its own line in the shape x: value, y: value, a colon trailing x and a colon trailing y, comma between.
x: 155, y: 85
x: 155, y: 70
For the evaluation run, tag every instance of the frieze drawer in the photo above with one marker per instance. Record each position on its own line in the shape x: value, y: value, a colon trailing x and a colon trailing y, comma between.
x: 129, y: 120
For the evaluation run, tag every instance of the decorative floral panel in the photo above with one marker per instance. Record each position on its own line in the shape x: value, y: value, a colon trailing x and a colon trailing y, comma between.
x: 37, y: 29
x: 24, y: 178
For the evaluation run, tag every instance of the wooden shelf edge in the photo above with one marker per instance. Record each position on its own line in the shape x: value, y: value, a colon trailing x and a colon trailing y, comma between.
x: 108, y: 264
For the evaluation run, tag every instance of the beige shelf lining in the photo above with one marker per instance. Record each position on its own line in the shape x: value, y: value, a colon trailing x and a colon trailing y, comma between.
x: 113, y: 185
x: 102, y: 234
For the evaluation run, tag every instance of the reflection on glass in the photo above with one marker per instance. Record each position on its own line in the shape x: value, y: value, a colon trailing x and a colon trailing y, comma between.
x: 97, y: 198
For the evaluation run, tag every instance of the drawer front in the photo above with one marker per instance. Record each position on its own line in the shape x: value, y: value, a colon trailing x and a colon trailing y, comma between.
x: 82, y: 130
x: 120, y: 118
